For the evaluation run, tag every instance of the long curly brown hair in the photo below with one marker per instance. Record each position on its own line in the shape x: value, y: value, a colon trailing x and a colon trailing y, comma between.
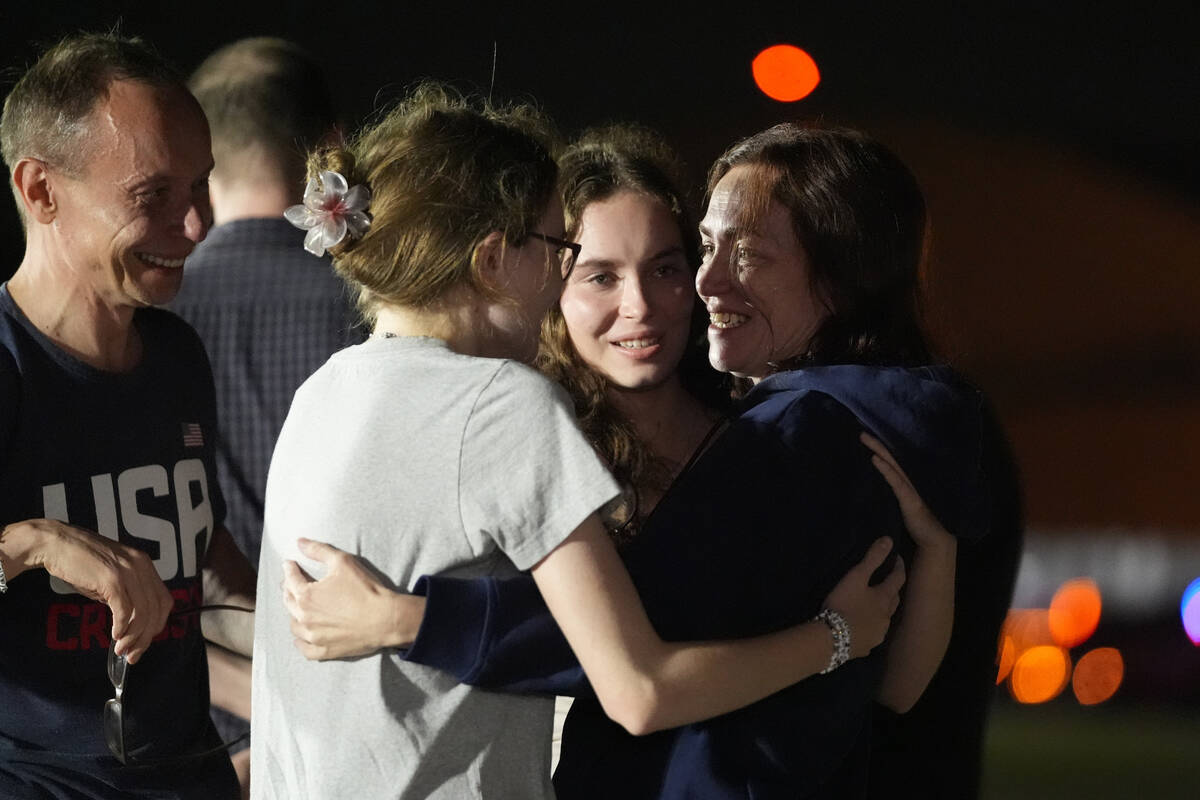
x: 601, y: 163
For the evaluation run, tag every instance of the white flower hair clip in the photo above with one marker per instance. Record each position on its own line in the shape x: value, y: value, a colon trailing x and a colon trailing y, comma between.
x: 331, y: 209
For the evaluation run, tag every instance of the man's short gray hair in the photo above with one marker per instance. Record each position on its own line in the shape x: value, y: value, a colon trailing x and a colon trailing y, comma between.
x: 46, y: 113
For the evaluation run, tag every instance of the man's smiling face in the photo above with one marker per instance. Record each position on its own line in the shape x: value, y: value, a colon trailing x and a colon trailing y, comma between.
x: 139, y: 205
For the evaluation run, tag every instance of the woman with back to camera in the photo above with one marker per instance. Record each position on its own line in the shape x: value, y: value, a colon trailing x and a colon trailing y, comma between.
x: 787, y: 482
x: 431, y: 448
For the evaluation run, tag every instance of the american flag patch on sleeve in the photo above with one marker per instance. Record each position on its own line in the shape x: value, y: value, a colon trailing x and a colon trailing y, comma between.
x: 192, y: 437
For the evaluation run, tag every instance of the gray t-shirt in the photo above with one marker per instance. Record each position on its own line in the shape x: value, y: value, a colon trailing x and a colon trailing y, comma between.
x: 420, y: 460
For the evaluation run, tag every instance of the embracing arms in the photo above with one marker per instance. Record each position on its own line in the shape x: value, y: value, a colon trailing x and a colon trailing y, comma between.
x: 643, y: 683
x: 347, y: 613
x: 922, y: 631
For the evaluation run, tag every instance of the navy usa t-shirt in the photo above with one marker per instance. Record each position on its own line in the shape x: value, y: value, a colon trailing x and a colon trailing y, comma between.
x: 129, y: 456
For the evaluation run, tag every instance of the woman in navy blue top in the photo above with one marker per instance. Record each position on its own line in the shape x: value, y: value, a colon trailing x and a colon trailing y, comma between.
x: 811, y: 244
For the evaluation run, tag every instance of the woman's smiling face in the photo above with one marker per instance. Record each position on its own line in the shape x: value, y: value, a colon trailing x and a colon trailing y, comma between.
x: 770, y: 312
x: 628, y: 302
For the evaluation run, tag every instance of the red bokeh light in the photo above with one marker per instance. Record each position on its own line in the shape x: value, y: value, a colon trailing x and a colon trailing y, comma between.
x: 785, y: 73
x: 1098, y: 675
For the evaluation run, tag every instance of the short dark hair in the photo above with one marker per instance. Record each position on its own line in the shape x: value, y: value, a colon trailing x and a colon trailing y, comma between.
x: 861, y: 217
x: 267, y: 95
x: 45, y: 115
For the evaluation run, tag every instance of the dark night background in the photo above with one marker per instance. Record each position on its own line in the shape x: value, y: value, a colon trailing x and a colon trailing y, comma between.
x: 1058, y: 143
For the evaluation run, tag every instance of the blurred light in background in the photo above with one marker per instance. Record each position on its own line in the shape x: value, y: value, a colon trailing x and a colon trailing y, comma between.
x: 1034, y: 643
x: 1008, y: 655
x: 1189, y: 610
x: 1140, y: 574
x: 1040, y: 674
x: 1097, y: 675
x: 1138, y: 570
x: 785, y: 73
x: 1074, y: 612
x: 1027, y: 627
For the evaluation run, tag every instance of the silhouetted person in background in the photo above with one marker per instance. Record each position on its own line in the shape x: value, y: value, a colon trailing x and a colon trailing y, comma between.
x: 269, y: 313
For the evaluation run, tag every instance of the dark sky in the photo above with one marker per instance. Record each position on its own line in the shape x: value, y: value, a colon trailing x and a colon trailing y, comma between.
x: 1059, y: 144
x: 1115, y: 81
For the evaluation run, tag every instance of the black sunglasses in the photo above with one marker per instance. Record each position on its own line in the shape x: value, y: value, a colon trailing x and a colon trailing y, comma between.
x: 114, y: 717
x: 567, y: 252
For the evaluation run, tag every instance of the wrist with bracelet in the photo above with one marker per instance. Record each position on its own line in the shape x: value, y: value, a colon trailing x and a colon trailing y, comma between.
x: 3, y: 580
x: 841, y: 638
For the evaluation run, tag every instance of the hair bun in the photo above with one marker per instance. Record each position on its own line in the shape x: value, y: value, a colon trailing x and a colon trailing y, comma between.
x: 335, y: 158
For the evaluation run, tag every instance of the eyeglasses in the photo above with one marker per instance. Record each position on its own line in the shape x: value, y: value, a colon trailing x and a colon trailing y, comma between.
x: 114, y: 717
x: 567, y: 252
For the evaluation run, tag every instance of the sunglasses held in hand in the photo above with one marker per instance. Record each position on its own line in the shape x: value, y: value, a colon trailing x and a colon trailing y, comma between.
x: 114, y: 712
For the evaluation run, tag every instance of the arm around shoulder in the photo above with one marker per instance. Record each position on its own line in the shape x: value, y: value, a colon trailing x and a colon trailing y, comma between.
x: 923, y: 631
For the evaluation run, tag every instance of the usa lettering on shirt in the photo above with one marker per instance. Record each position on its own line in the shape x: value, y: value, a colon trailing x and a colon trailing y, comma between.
x: 181, y: 543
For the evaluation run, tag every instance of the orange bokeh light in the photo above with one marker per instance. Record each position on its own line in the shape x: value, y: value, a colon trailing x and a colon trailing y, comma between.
x: 1098, y: 675
x: 1075, y: 612
x: 785, y: 73
x: 1040, y: 674
x: 1027, y: 627
x: 1008, y: 654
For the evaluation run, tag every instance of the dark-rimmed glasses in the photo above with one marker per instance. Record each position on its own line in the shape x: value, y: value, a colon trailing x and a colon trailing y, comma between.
x: 114, y: 717
x: 567, y: 252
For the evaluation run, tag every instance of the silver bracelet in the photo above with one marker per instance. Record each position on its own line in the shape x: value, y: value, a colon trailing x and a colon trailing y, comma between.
x: 841, y: 638
x: 3, y: 580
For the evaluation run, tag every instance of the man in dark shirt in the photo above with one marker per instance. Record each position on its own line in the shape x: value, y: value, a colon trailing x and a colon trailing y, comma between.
x: 108, y: 497
x: 269, y: 313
